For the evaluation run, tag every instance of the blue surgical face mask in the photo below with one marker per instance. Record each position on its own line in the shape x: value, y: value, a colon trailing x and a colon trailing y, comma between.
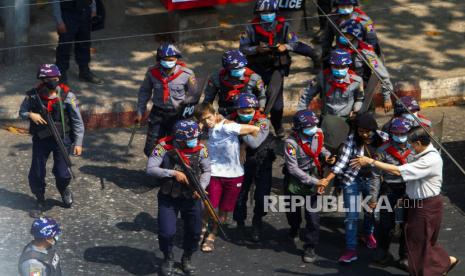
x: 268, y: 17
x: 339, y: 73
x: 168, y: 64
x: 246, y: 117
x: 192, y: 143
x: 399, y: 139
x: 237, y: 73
x: 409, y: 116
x: 310, y: 131
x: 343, y: 40
x: 345, y: 11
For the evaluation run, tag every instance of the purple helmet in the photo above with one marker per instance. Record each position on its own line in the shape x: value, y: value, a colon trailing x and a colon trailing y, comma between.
x: 409, y: 102
x: 340, y: 57
x: 400, y: 125
x: 266, y: 6
x: 246, y: 100
x: 304, y: 118
x: 186, y: 130
x: 48, y: 71
x: 168, y: 50
x: 352, y: 27
x: 44, y: 228
x: 233, y: 59
x: 346, y: 2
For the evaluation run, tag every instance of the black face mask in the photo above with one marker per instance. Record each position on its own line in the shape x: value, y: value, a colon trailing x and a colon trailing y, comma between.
x: 52, y: 85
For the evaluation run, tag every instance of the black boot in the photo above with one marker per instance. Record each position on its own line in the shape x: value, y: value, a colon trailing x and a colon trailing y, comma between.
x: 186, y: 264
x: 256, y: 230
x: 309, y: 255
x: 167, y: 267
x: 88, y: 76
x: 240, y: 231
x: 65, y: 191
x: 39, y: 207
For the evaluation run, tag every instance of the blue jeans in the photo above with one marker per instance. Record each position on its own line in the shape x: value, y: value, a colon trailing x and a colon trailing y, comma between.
x: 351, y: 194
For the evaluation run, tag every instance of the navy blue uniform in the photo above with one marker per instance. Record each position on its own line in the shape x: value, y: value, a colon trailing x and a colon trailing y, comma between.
x: 43, y: 142
x: 76, y: 15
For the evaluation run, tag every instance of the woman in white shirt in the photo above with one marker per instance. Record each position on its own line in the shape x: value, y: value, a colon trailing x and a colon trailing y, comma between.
x: 227, y: 171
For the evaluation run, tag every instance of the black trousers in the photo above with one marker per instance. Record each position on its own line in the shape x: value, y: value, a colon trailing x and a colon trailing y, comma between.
x: 387, y: 220
x: 262, y: 176
x: 168, y: 210
x: 78, y: 25
x: 160, y: 124
x: 326, y: 6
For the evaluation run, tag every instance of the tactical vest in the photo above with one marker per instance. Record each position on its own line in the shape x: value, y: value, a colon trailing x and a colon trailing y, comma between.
x: 230, y: 91
x: 169, y: 185
x: 271, y: 59
x: 42, y: 131
x: 50, y: 260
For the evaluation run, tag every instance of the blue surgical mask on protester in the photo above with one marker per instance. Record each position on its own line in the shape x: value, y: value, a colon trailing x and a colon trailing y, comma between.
x: 168, y: 64
x: 237, y: 73
x: 192, y: 143
x: 268, y: 17
x: 339, y: 73
x: 343, y: 40
x: 246, y: 117
x: 399, y: 139
x: 345, y: 11
x: 310, y: 131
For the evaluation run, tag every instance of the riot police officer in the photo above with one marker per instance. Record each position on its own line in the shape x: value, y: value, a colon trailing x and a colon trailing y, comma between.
x: 412, y: 106
x: 175, y: 195
x: 74, y: 22
x: 267, y: 43
x: 61, y: 103
x: 397, y: 152
x: 304, y: 152
x: 353, y: 33
x: 39, y: 256
x: 172, y: 87
x: 235, y: 78
x: 340, y: 89
x: 258, y: 164
x: 345, y: 10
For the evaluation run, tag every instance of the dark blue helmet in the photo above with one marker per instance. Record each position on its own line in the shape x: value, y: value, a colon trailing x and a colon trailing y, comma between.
x: 352, y: 27
x: 246, y: 100
x: 44, y: 228
x: 186, y: 130
x: 266, y: 6
x: 346, y: 2
x: 233, y: 59
x: 400, y: 125
x: 48, y: 71
x: 168, y: 50
x: 340, y: 57
x: 304, y: 118
x: 408, y: 101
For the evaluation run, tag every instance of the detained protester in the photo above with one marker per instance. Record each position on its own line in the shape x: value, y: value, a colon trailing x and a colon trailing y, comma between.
x: 363, y: 141
x: 304, y: 152
x: 423, y: 178
x: 227, y: 171
x: 396, y: 151
x: 258, y: 166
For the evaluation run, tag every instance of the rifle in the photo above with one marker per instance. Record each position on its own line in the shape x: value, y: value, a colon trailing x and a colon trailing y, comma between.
x: 133, y: 133
x: 54, y: 131
x: 195, y: 185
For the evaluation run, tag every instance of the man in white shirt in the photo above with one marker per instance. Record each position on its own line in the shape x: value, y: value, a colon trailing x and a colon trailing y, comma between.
x: 227, y: 171
x: 423, y: 179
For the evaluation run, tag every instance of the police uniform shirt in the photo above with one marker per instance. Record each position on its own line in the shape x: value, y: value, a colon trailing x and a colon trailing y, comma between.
x: 424, y: 175
x: 179, y: 88
x: 159, y: 160
x: 254, y: 142
x: 33, y: 267
x: 339, y: 103
x: 57, y: 10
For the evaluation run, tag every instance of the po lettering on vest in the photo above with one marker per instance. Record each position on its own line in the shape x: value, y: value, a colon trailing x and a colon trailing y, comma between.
x: 291, y: 4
